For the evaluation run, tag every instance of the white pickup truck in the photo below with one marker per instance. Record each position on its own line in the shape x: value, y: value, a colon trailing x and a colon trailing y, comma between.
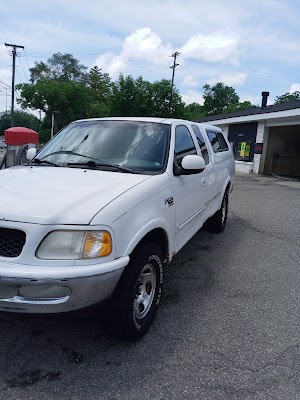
x: 100, y: 210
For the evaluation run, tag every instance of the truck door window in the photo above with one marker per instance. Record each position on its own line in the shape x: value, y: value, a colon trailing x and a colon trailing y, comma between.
x: 202, y: 143
x: 184, y: 144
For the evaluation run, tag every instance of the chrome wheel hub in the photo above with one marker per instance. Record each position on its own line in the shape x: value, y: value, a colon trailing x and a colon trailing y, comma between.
x: 145, y: 290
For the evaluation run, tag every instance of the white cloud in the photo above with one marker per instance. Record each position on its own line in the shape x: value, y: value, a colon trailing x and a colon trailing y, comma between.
x: 144, y: 42
x: 192, y: 97
x: 230, y: 79
x: 190, y: 81
x: 144, y: 45
x: 217, y: 46
x: 294, y: 88
x: 111, y: 64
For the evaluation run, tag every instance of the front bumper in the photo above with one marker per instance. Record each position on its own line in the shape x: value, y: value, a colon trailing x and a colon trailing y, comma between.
x: 30, y: 289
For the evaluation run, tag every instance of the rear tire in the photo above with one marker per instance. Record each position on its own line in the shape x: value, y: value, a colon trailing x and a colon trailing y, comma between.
x: 138, y: 293
x: 217, y: 222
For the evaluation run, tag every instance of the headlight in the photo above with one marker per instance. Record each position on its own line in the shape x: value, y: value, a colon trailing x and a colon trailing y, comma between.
x: 75, y: 245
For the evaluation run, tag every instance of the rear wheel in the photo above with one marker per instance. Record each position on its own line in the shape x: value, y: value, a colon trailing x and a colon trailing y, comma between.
x: 217, y: 222
x: 137, y: 295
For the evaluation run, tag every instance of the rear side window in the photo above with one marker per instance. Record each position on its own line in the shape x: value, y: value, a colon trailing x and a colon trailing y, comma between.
x: 184, y: 144
x: 202, y: 144
x: 222, y: 141
x: 217, y: 141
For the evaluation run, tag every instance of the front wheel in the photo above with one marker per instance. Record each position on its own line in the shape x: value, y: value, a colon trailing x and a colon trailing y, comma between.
x: 137, y: 295
x: 217, y: 222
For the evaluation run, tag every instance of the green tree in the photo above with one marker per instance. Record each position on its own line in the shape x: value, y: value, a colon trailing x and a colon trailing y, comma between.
x: 137, y: 97
x: 194, y: 111
x: 218, y: 98
x: 71, y: 99
x: 124, y: 97
x: 240, y: 106
x: 284, y: 98
x: 143, y: 97
x: 161, y: 96
x: 100, y: 86
x: 22, y: 118
x: 61, y: 67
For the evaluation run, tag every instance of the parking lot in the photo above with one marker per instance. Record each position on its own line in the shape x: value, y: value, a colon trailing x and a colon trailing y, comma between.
x: 228, y: 326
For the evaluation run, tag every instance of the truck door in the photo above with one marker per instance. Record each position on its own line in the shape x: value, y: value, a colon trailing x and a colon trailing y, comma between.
x: 189, y: 190
x: 209, y: 166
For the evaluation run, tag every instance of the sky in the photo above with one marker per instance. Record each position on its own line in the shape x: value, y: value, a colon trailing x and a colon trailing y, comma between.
x: 253, y: 46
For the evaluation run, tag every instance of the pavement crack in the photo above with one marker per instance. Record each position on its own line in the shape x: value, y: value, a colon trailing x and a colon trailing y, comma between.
x: 248, y: 225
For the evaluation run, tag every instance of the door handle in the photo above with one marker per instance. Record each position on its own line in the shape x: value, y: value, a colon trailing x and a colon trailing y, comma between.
x: 204, y: 181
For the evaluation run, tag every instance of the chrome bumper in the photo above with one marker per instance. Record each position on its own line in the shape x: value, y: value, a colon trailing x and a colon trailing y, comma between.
x: 50, y: 295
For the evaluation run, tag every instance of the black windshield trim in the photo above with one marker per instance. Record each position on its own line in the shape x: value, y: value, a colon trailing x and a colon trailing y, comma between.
x: 41, y: 161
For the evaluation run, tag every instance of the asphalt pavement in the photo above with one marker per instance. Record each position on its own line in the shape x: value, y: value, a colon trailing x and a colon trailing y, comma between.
x: 228, y: 326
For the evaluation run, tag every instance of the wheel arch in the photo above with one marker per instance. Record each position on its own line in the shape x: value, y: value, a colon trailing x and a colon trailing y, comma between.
x: 155, y: 231
x: 226, y: 188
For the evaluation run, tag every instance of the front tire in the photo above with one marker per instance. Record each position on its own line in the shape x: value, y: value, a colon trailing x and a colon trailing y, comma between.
x: 136, y: 298
x: 217, y: 222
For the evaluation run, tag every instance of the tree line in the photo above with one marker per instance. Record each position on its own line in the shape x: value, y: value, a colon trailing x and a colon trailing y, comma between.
x: 63, y: 84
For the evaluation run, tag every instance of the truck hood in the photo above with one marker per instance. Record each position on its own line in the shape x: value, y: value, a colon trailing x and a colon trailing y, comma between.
x: 50, y: 195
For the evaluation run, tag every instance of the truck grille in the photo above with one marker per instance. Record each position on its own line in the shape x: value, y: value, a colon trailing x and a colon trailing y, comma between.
x: 11, y: 242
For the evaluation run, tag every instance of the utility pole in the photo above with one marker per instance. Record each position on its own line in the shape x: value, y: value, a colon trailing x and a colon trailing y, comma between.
x: 174, y: 55
x: 14, y: 54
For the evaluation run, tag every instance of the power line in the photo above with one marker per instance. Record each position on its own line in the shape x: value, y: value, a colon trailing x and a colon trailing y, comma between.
x: 5, y: 94
x: 23, y: 70
x: 93, y: 55
x: 26, y: 59
x: 5, y: 84
x: 18, y: 77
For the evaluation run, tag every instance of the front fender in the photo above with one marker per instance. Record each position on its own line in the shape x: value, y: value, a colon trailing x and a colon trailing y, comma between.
x: 150, y: 226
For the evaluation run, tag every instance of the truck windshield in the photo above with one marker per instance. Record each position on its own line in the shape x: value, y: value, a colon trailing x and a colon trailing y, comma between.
x: 139, y: 146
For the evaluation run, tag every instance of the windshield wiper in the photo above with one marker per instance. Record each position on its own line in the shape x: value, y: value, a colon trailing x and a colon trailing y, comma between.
x: 41, y: 161
x: 93, y: 164
x: 67, y: 152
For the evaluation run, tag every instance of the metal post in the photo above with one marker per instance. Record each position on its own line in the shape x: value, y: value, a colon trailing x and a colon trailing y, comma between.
x: 52, y: 122
x: 52, y: 125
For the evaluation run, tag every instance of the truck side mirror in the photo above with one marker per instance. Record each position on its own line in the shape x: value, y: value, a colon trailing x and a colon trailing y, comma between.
x: 31, y: 153
x: 193, y: 162
x: 190, y: 164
